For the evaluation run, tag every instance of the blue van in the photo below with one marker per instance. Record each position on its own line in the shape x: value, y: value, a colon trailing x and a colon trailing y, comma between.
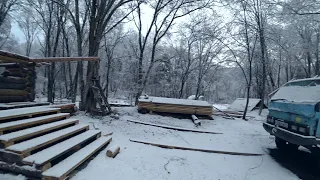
x: 294, y: 114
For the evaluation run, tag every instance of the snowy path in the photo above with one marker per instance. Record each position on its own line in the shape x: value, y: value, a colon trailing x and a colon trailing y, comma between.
x: 144, y: 162
x: 138, y: 161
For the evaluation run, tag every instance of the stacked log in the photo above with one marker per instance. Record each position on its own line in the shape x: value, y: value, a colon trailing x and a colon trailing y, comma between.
x: 17, y: 82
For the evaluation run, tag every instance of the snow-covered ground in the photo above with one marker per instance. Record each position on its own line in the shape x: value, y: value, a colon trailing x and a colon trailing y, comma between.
x: 139, y: 161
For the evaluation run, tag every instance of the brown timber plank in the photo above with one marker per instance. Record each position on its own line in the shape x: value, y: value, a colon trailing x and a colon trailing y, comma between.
x: 23, y: 112
x: 25, y: 148
x: 65, y: 167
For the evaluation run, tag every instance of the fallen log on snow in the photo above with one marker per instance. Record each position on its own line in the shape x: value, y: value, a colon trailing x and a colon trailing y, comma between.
x: 195, y: 120
x: 174, y: 128
x: 108, y: 134
x: 196, y: 149
x: 113, y: 151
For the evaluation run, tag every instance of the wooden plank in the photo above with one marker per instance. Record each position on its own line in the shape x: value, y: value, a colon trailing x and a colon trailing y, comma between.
x: 65, y: 167
x: 45, y: 156
x: 64, y: 59
x: 174, y: 128
x: 23, y: 112
x: 13, y: 105
x: 13, y: 55
x: 6, y: 99
x: 10, y: 126
x: 25, y: 148
x: 196, y: 149
x: 13, y: 86
x: 13, y: 92
x: 11, y: 138
x: 13, y: 80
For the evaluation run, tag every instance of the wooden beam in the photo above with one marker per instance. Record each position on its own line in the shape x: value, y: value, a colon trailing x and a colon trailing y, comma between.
x: 174, y: 128
x: 63, y: 59
x: 196, y: 149
x: 11, y: 57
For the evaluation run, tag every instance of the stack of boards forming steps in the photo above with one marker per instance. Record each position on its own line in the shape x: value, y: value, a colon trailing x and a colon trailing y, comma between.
x: 41, y: 142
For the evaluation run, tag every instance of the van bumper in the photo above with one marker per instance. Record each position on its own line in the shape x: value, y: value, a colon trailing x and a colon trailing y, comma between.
x: 291, y: 137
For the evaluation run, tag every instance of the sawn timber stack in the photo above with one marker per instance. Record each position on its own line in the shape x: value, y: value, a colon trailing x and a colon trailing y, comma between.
x: 43, y: 143
x: 171, y: 105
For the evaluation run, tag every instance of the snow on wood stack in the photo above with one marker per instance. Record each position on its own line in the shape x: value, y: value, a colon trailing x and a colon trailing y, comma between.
x: 171, y: 105
x: 43, y: 143
x: 240, y: 103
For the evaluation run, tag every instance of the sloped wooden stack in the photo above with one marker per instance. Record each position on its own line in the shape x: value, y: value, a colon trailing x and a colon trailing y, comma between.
x: 40, y: 142
x: 171, y: 105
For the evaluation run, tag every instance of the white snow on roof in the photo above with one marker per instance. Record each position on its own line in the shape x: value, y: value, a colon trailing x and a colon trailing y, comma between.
x: 163, y: 100
x: 240, y: 103
x: 298, y: 94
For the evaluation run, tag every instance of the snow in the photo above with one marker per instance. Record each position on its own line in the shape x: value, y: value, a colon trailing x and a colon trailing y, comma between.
x: 221, y: 106
x: 23, y: 146
x: 31, y: 120
x: 28, y: 131
x: 175, y: 128
x: 61, y: 168
x: 49, y: 153
x: 306, y: 94
x: 4, y: 114
x: 114, y: 148
x: 12, y: 177
x: 240, y: 103
x: 187, y: 102
x: 139, y: 161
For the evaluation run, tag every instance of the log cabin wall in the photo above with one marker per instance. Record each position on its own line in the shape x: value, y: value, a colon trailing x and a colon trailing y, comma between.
x: 17, y: 82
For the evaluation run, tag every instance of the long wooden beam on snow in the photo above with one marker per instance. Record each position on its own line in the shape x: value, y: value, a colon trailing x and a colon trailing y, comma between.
x: 196, y: 149
x: 174, y: 128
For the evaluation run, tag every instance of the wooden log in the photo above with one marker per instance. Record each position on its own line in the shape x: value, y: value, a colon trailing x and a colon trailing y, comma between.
x: 195, y: 120
x: 197, y: 149
x: 13, y: 92
x: 108, y: 134
x: 13, y: 86
x: 64, y: 59
x: 113, y: 151
x: 16, y: 74
x: 15, y: 80
x: 174, y: 128
x: 7, y: 99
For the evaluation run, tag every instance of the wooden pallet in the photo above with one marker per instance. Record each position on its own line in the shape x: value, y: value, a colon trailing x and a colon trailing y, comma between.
x: 18, y: 136
x: 25, y: 148
x: 171, y: 105
x: 25, y: 112
x: 4, y: 106
x: 63, y: 169
x: 21, y: 124
x: 43, y: 159
x: 35, y: 146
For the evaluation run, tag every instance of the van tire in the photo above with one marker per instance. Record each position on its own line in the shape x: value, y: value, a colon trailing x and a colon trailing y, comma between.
x: 285, y: 146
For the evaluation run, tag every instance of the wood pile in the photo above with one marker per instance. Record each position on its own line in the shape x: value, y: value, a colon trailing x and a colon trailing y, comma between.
x: 171, y: 105
x: 17, y: 82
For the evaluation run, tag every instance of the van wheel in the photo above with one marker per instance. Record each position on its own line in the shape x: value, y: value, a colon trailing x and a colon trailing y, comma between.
x: 285, y: 146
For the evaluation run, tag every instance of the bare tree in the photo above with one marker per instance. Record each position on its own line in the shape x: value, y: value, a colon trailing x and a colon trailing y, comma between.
x: 165, y: 13
x: 29, y: 28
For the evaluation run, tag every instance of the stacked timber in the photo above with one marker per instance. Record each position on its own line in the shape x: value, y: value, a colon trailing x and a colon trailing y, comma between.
x: 171, y: 105
x: 17, y: 82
